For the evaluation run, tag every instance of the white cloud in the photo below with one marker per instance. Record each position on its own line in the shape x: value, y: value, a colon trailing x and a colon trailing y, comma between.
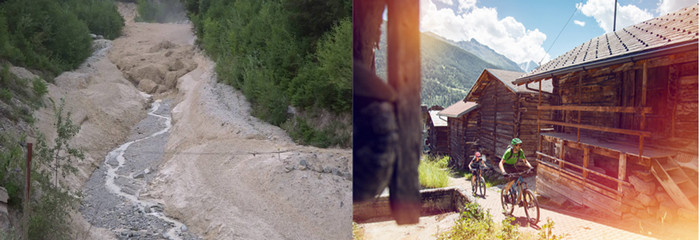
x: 668, y: 6
x: 448, y: 2
x: 466, y: 4
x: 580, y: 23
x: 506, y: 36
x: 602, y: 11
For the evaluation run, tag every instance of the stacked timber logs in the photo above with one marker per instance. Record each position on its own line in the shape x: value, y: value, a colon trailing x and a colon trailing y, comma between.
x: 647, y: 200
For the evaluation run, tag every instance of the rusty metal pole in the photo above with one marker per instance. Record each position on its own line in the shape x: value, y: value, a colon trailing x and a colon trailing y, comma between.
x: 26, y: 190
x: 403, y: 65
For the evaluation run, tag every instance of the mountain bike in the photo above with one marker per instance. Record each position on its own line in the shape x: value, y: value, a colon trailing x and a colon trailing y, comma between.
x: 479, y: 186
x: 520, y: 195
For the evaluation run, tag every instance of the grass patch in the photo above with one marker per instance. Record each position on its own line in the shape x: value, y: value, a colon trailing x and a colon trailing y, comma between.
x: 476, y: 223
x: 358, y: 233
x: 431, y: 174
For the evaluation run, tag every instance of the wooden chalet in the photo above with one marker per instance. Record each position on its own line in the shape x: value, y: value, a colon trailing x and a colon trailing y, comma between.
x: 438, y: 134
x: 506, y: 111
x: 463, y: 122
x: 625, y: 107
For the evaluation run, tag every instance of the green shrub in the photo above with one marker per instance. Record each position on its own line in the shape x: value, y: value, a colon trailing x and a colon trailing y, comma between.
x: 328, y: 83
x: 430, y: 175
x: 260, y: 49
x: 5, y: 95
x: 47, y: 36
x: 39, y: 87
x: 161, y: 11
x: 546, y: 232
x: 101, y: 16
x: 473, y: 223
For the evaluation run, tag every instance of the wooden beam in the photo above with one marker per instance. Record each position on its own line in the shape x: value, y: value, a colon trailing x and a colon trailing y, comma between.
x: 578, y: 130
x: 500, y: 122
x: 586, y: 158
x: 581, y: 168
x: 403, y: 70
x: 598, y: 128
x: 539, y: 103
x: 561, y: 154
x: 621, y: 171
x: 643, y: 110
x: 644, y: 103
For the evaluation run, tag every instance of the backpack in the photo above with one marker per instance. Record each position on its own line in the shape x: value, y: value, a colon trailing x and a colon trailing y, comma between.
x: 510, y: 153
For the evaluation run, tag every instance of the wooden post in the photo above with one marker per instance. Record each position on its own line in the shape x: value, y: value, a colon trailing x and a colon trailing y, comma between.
x: 586, y: 158
x: 539, y: 103
x: 644, y: 103
x: 404, y: 75
x: 561, y: 153
x: 27, y: 190
x: 621, y: 172
x: 578, y: 130
x: 495, y: 124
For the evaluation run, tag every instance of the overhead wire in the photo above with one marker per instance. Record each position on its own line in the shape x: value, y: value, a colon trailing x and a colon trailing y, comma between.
x: 559, y: 34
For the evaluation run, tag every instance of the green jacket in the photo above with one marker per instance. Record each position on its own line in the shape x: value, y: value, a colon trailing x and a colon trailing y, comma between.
x: 511, y: 158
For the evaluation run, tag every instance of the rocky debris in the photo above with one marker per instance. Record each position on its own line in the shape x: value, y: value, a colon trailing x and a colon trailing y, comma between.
x: 157, y: 70
x: 148, y: 86
x: 128, y: 219
x: 4, y: 215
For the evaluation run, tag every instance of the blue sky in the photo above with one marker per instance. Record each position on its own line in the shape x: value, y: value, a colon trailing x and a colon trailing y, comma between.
x: 525, y: 30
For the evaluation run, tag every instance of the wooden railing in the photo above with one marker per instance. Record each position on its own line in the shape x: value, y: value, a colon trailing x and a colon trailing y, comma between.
x: 640, y: 110
x: 584, y: 169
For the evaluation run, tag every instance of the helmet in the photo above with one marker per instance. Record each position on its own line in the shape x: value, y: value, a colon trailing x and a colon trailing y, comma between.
x: 477, y: 154
x: 516, y: 141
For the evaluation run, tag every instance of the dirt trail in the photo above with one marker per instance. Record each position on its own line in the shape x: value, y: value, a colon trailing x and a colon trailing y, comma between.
x: 224, y: 174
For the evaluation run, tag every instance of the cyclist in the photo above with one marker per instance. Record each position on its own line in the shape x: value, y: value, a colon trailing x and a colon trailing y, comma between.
x: 474, y: 165
x: 511, y: 157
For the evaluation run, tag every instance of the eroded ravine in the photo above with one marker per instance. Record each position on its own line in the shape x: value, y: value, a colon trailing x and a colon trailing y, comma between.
x: 112, y: 195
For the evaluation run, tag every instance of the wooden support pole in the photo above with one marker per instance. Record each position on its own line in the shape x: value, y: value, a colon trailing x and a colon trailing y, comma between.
x: 539, y: 103
x: 578, y: 130
x: 561, y: 154
x: 644, y: 103
x: 403, y: 40
x: 621, y: 171
x: 586, y: 159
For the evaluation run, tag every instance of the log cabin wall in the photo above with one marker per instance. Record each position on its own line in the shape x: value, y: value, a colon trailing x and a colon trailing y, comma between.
x: 497, y: 113
x: 671, y: 92
x: 526, y: 121
x: 470, y: 135
x: 463, y: 142
x: 438, y: 136
x: 439, y: 141
x: 456, y: 143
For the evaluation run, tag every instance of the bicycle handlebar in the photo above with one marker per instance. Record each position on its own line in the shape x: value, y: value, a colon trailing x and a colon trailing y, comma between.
x: 518, y: 174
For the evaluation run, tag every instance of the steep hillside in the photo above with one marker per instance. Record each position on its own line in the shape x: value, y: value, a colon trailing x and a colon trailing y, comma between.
x: 487, y: 54
x: 448, y: 72
x: 528, y: 66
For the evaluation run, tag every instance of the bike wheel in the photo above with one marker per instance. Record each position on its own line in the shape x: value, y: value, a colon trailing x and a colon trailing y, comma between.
x: 532, y: 207
x: 481, y: 187
x: 507, y: 201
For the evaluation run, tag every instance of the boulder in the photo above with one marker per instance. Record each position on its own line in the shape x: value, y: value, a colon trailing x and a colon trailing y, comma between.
x: 148, y: 86
x: 162, y: 45
x: 3, y: 195
x: 171, y: 79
